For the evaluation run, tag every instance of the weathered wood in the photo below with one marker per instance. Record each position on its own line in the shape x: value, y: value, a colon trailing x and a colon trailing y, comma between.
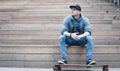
x: 96, y: 32
x: 33, y: 64
x: 55, y: 49
x: 56, y: 56
x: 52, y: 41
x: 26, y: 42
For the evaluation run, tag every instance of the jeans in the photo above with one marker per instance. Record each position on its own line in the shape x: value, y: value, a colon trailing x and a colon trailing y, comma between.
x: 70, y: 41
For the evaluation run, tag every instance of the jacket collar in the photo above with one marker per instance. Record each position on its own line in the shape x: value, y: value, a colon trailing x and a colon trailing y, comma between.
x: 80, y: 17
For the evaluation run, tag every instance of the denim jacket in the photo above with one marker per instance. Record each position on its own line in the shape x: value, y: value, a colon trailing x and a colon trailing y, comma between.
x: 80, y: 25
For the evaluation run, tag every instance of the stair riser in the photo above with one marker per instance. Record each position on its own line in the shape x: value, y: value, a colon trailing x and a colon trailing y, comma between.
x: 48, y: 42
x: 45, y: 64
x: 52, y: 32
x: 39, y: 49
x: 51, y: 26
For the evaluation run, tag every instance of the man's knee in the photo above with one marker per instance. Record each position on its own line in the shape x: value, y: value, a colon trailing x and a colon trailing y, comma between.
x: 89, y: 38
x: 62, y: 38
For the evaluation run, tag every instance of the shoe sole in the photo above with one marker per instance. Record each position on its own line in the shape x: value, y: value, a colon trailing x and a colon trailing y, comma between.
x: 92, y: 63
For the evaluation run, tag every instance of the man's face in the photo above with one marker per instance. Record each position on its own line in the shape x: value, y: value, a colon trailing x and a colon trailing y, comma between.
x: 75, y: 11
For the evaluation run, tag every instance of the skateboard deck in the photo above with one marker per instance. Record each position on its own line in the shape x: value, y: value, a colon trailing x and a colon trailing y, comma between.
x: 58, y: 67
x: 77, y: 65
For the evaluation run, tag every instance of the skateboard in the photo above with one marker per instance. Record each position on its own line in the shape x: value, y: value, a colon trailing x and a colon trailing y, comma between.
x: 58, y: 67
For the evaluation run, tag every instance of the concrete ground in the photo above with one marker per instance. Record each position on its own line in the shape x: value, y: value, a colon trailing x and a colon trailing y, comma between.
x: 50, y: 69
x: 25, y: 69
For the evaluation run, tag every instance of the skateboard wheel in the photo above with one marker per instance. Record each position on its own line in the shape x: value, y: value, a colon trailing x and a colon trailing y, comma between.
x: 56, y: 68
x: 105, y: 68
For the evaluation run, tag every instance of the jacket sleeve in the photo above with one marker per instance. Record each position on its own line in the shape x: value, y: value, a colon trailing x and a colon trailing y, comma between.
x: 87, y: 27
x: 64, y: 26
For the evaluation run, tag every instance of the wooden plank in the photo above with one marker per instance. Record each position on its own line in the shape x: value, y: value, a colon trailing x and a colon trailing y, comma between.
x: 12, y: 64
x: 33, y: 64
x: 63, y: 1
x: 91, y: 16
x: 55, y: 49
x: 48, y: 21
x: 54, y: 57
x: 38, y: 14
x: 26, y: 64
x: 35, y: 9
x: 57, y: 32
x: 50, y: 38
x: 53, y: 41
x: 45, y: 26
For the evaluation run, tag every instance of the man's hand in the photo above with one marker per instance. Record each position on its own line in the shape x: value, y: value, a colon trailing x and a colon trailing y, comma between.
x: 79, y: 37
x: 82, y: 35
x: 75, y: 36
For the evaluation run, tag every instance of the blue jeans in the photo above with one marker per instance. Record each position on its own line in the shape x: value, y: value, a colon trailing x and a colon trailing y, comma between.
x: 70, y: 41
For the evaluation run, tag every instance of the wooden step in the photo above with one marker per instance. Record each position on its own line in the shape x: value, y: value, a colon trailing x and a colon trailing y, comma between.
x: 57, y: 4
x: 23, y: 4
x: 55, y: 17
x: 45, y: 26
x: 91, y: 17
x: 11, y: 0
x: 11, y: 6
x: 54, y: 57
x: 116, y: 23
x: 105, y: 5
x: 52, y: 21
x: 52, y: 6
x: 4, y: 17
x: 53, y: 41
x: 52, y: 13
x: 39, y: 36
x: 98, y: 32
x: 50, y: 38
x: 96, y: 1
x: 102, y: 32
x: 59, y: 1
x: 45, y: 64
x: 55, y: 12
x: 46, y: 56
x: 11, y: 49
x: 34, y: 9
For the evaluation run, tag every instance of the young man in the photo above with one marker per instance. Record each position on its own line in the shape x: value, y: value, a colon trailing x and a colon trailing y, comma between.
x: 76, y: 30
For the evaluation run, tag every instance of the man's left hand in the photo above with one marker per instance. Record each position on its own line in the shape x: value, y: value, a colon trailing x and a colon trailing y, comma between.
x: 79, y: 37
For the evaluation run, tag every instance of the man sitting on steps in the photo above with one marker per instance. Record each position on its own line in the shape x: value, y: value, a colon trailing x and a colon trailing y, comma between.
x: 76, y: 30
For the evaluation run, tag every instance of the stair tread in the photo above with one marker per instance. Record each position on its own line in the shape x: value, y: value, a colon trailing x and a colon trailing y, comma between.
x: 58, y: 45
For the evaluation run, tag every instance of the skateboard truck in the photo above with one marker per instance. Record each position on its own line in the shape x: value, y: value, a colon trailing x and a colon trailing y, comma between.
x: 57, y: 68
x: 105, y: 68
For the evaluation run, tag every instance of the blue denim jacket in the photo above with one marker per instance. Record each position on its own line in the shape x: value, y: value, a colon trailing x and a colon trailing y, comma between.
x: 80, y: 25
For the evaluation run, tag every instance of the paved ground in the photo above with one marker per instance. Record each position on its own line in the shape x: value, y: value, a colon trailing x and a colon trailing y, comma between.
x: 24, y: 69
x: 92, y: 69
x: 50, y: 69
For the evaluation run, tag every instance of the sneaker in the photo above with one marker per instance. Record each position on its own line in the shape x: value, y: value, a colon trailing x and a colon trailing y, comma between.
x: 62, y: 62
x: 90, y: 62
